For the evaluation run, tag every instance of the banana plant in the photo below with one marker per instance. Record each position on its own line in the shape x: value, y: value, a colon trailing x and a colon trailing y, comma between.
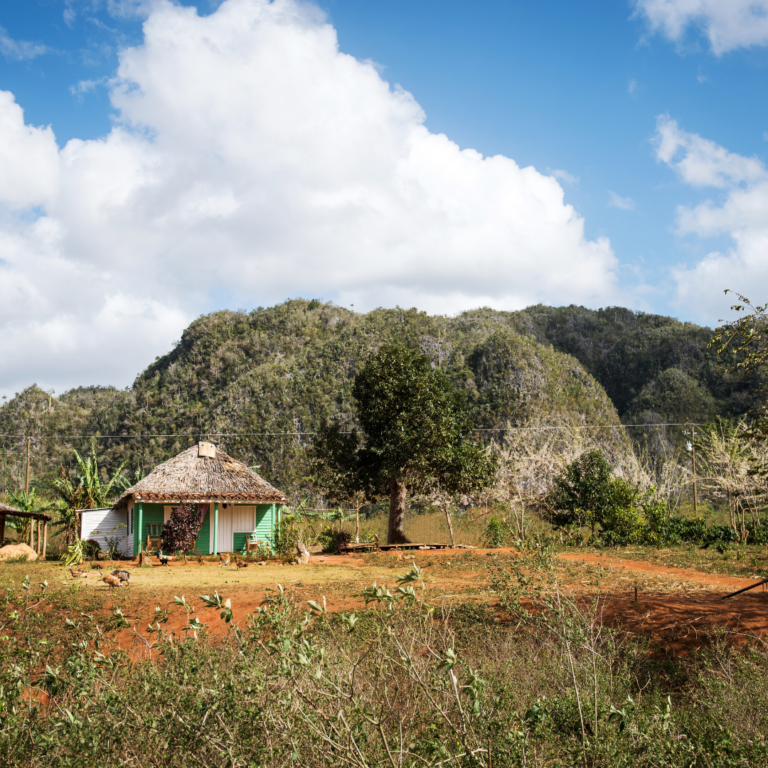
x: 89, y: 492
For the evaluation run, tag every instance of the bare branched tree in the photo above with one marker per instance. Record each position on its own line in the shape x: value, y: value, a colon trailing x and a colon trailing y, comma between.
x: 734, y: 466
x: 531, y: 456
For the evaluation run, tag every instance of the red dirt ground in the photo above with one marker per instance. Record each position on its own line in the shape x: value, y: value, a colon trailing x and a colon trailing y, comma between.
x: 677, y: 621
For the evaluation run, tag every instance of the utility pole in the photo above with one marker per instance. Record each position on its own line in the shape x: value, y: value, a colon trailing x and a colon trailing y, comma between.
x: 692, y: 447
x: 26, y: 484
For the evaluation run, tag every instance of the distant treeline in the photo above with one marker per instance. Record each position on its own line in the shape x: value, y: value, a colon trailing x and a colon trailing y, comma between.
x: 285, y: 368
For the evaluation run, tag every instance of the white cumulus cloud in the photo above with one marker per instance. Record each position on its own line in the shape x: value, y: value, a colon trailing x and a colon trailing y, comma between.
x: 728, y: 24
x: 740, y: 213
x: 251, y: 159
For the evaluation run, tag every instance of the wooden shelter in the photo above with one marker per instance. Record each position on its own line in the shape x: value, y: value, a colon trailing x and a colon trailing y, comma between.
x: 235, y: 506
x: 39, y: 520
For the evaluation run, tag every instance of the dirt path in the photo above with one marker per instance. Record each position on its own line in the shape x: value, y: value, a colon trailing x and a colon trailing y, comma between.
x: 726, y: 583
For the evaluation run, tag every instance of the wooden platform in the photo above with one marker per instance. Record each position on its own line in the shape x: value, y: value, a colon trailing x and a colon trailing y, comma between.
x: 368, y: 546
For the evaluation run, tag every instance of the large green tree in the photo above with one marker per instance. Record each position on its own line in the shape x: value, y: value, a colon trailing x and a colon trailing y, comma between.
x: 415, y: 434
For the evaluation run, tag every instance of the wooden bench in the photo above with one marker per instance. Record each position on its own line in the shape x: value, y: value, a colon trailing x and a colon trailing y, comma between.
x: 252, y: 543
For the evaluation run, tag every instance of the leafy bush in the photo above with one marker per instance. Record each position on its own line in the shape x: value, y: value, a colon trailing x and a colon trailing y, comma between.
x: 758, y: 534
x: 181, y: 530
x: 331, y: 539
x: 719, y: 536
x: 583, y: 493
x: 496, y: 532
x: 287, y: 535
x: 622, y: 521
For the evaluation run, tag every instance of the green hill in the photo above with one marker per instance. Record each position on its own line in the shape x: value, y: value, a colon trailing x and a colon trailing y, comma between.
x: 263, y: 380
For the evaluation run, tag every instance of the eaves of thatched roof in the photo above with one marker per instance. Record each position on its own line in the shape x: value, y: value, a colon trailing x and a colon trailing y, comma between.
x: 202, y: 474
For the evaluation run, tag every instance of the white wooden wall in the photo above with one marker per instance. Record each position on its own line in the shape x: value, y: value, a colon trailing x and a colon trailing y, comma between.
x: 104, y: 521
x: 128, y: 532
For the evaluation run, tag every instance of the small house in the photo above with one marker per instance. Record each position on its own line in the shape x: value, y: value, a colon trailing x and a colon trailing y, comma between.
x: 234, y: 504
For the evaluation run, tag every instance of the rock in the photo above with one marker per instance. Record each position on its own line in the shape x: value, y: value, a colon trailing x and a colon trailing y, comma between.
x: 10, y: 551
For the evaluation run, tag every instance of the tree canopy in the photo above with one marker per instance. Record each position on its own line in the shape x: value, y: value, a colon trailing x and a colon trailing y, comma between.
x: 415, y: 431
x: 743, y: 347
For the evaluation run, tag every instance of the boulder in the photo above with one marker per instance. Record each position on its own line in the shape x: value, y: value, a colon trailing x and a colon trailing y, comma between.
x: 10, y: 551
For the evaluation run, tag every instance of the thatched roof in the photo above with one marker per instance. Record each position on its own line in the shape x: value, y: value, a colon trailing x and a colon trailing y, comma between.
x: 12, y: 512
x: 202, y: 474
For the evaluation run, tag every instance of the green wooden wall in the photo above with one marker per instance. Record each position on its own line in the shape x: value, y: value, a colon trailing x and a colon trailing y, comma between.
x: 238, y: 541
x: 203, y: 543
x: 153, y: 515
x: 264, y: 526
x: 266, y: 522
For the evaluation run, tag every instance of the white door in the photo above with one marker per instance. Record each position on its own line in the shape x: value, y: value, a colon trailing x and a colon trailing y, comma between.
x: 225, y: 528
x: 234, y: 519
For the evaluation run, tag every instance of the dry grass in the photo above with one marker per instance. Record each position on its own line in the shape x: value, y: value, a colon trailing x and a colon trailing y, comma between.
x: 431, y: 527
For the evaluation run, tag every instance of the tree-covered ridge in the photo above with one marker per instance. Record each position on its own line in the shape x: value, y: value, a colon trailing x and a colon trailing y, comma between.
x: 284, y: 369
x: 635, y: 355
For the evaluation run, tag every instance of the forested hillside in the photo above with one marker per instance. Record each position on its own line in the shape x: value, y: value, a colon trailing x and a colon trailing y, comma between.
x: 263, y: 380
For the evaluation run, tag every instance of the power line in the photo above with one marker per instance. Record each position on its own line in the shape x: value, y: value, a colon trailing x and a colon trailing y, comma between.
x: 285, y: 434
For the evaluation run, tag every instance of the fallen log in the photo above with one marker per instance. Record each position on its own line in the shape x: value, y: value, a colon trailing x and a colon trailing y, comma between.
x: 745, y: 589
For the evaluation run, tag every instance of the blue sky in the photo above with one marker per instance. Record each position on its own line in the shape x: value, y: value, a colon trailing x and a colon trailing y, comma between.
x: 649, y: 120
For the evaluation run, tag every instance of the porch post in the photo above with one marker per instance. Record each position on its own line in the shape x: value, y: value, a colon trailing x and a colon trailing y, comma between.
x: 2, y: 529
x: 45, y: 538
x: 216, y: 528
x: 138, y: 531
x: 39, y: 543
x: 31, y: 532
x: 278, y: 509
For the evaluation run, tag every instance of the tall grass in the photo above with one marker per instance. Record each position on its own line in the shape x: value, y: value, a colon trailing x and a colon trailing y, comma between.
x: 404, y: 683
x: 432, y: 528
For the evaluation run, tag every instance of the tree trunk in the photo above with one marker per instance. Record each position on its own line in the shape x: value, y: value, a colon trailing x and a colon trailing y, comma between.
x: 447, y: 513
x: 396, y: 534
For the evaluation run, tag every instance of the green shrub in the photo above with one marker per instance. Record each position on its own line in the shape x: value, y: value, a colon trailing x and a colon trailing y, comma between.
x: 331, y: 539
x: 583, y: 493
x: 496, y: 532
x: 287, y: 536
x: 622, y: 521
